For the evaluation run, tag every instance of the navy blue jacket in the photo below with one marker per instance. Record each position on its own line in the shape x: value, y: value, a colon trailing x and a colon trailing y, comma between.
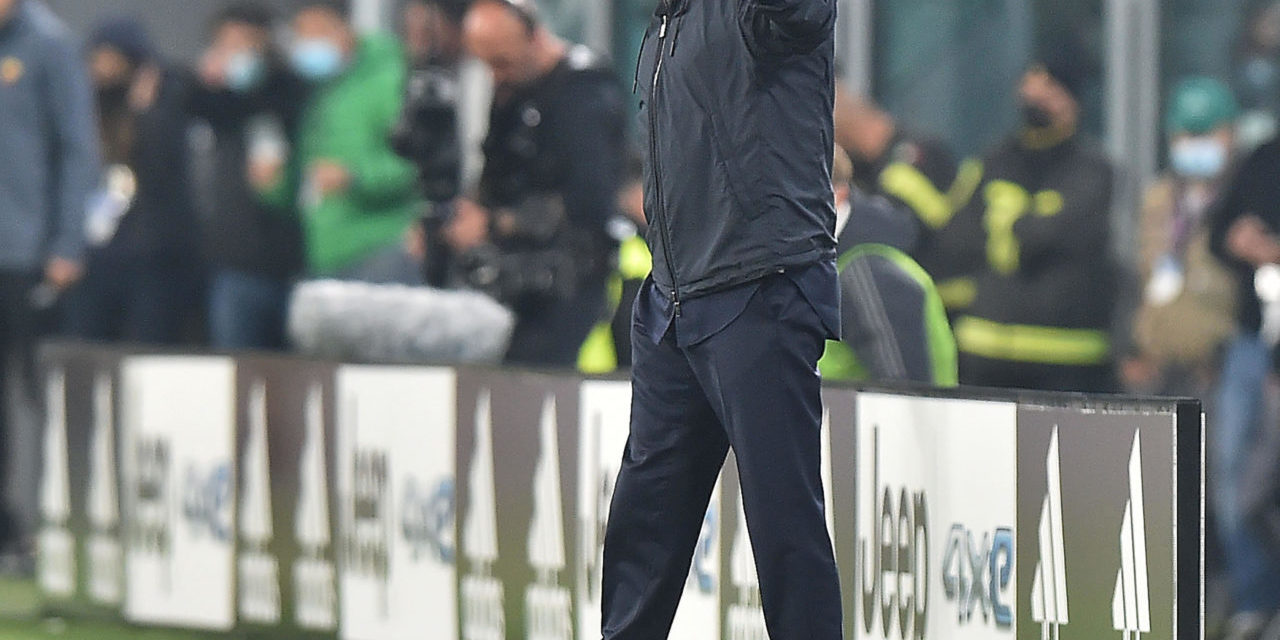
x: 737, y: 99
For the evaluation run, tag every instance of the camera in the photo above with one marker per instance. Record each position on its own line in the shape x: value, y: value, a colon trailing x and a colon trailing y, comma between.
x: 427, y: 131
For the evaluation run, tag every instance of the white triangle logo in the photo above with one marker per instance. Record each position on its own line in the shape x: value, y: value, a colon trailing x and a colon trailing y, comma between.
x: 55, y: 492
x: 546, y: 532
x: 57, y: 547
x: 547, y: 603
x: 104, y: 502
x: 1131, y: 602
x: 255, y: 508
x: 105, y: 555
x: 313, y: 573
x: 1049, y: 586
x: 259, y: 570
x: 483, y: 617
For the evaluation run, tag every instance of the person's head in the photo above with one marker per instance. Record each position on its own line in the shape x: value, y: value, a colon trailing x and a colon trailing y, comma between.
x: 863, y: 129
x: 7, y: 9
x: 117, y: 49
x: 433, y: 30
x: 1050, y: 92
x: 323, y: 39
x: 241, y: 35
x: 1262, y: 29
x: 1200, y: 119
x: 508, y: 36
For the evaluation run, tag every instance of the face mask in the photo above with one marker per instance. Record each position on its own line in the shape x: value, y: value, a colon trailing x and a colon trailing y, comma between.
x: 245, y: 71
x: 1198, y: 158
x: 1036, y: 116
x: 317, y: 59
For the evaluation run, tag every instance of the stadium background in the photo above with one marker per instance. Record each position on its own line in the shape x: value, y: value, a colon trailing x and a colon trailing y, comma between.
x: 935, y: 63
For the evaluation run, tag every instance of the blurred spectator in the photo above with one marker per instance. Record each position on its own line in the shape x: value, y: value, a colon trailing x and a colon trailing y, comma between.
x: 1041, y: 219
x: 917, y: 173
x: 357, y: 198
x: 1258, y: 74
x: 537, y: 234
x: 48, y: 165
x: 608, y: 348
x: 1245, y: 225
x: 141, y: 271
x: 252, y: 102
x: 1187, y: 311
x: 895, y: 325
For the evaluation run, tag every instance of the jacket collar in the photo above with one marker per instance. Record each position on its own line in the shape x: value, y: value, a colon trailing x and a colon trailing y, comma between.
x: 671, y: 8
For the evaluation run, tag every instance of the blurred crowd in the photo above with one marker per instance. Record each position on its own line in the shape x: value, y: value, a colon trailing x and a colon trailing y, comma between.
x: 146, y: 203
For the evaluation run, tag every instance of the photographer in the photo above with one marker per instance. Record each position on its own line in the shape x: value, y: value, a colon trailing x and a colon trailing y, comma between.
x: 536, y: 234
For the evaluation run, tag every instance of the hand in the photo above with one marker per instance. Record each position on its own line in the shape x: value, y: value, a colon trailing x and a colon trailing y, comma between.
x: 1250, y: 240
x: 61, y: 273
x: 265, y: 174
x: 145, y: 89
x: 415, y: 242
x: 330, y: 177
x: 469, y: 227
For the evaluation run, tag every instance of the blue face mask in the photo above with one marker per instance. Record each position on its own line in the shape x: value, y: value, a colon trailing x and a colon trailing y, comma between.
x: 245, y: 71
x: 316, y: 59
x: 1198, y: 158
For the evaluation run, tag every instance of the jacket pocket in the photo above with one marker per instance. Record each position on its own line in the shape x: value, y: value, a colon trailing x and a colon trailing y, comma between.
x: 750, y: 209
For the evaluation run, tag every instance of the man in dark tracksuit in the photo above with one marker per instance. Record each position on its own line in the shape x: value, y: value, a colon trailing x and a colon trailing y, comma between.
x: 895, y: 324
x: 48, y: 167
x: 737, y: 112
x: 1039, y: 226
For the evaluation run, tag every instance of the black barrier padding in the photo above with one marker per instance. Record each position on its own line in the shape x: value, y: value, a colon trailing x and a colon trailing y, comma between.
x: 1190, y: 518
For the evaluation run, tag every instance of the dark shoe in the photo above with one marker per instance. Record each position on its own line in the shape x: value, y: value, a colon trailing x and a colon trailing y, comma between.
x: 18, y: 559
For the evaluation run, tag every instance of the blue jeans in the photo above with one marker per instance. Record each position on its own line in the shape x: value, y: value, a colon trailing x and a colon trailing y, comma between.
x: 386, y: 266
x: 1236, y: 430
x: 247, y: 311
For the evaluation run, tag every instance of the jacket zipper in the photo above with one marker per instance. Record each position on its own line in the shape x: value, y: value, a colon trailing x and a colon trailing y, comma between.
x: 663, y: 228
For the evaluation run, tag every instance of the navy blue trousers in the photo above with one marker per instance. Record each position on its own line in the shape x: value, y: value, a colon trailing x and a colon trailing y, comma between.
x: 753, y: 386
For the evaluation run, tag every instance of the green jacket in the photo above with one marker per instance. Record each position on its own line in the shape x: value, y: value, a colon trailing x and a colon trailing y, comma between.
x: 349, y: 121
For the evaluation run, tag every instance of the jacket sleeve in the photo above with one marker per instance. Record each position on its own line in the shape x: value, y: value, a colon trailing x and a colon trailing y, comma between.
x: 69, y: 99
x: 1079, y: 226
x: 378, y: 174
x: 787, y: 27
x: 884, y: 320
x: 1230, y: 208
x: 593, y: 155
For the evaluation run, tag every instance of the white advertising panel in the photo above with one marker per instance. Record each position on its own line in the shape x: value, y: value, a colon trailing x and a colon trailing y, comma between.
x: 395, y: 482
x: 936, y: 516
x: 178, y: 419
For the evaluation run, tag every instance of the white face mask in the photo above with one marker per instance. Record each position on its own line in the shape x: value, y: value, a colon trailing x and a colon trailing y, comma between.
x: 1198, y: 158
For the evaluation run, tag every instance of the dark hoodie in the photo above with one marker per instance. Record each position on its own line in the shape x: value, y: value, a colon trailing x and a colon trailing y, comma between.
x: 153, y: 144
x: 242, y: 233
